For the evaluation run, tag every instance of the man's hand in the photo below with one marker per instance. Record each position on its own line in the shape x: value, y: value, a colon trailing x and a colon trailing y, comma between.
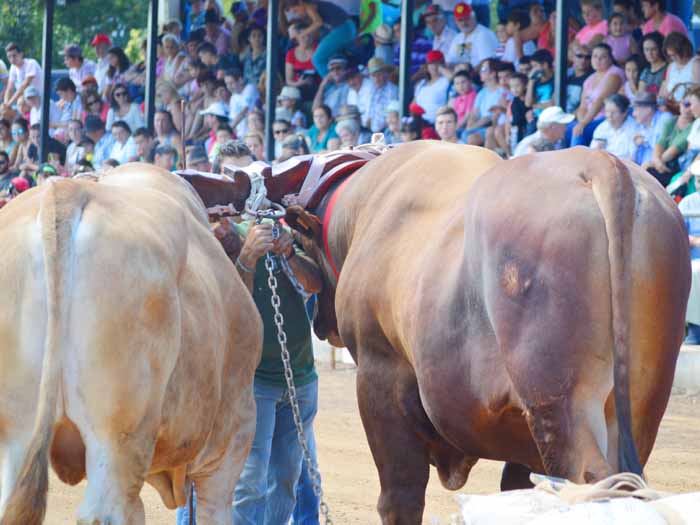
x: 578, y: 129
x: 284, y: 244
x: 257, y: 243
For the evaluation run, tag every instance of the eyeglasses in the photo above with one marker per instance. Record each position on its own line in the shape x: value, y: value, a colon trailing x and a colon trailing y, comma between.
x: 16, y: 132
x: 581, y: 55
x: 485, y: 69
x: 120, y: 94
x: 280, y: 131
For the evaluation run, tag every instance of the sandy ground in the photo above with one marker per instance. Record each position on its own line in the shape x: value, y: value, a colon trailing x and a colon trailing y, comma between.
x: 350, y: 479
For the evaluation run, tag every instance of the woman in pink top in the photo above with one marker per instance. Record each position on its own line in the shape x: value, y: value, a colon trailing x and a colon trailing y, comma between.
x: 596, y: 27
x: 607, y: 79
x: 659, y: 20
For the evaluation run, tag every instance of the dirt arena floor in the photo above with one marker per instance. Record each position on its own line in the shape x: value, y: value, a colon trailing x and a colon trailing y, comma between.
x: 350, y: 479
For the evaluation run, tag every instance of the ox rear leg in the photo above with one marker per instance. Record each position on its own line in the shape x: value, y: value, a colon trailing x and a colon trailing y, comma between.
x: 401, y: 457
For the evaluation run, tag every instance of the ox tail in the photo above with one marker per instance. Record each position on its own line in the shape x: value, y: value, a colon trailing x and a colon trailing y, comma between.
x: 616, y: 197
x: 56, y: 219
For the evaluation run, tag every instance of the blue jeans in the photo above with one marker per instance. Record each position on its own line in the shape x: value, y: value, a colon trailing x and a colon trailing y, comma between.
x: 306, y: 510
x: 584, y: 139
x: 334, y: 42
x: 266, y: 491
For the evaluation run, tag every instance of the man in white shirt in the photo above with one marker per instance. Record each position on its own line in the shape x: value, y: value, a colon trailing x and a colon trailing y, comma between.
x: 551, y: 128
x: 24, y: 72
x: 242, y: 100
x: 101, y: 43
x: 31, y: 95
x: 437, y: 23
x: 474, y: 42
x: 360, y: 90
x: 382, y: 93
x: 79, y: 68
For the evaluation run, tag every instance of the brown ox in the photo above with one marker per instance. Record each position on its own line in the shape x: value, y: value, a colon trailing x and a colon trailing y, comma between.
x: 502, y: 310
x: 128, y: 349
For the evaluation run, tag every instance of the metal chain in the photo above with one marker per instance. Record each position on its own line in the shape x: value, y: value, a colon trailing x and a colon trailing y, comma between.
x: 289, y: 377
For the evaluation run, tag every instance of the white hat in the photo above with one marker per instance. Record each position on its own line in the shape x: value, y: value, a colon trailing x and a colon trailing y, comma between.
x: 554, y: 115
x: 218, y: 109
x: 393, y: 106
x: 289, y: 92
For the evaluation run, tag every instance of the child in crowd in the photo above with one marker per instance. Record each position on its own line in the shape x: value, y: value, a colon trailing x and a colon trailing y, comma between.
x: 224, y: 133
x: 620, y: 40
x: 633, y: 69
x: 525, y: 65
x: 515, y: 47
x: 502, y: 36
x: 518, y: 113
x: 287, y: 109
x: 463, y: 102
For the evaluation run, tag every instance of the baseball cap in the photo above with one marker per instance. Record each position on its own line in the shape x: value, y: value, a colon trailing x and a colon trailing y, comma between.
x: 416, y: 109
x: 431, y: 10
x: 462, y: 10
x: 434, y: 56
x: 644, y: 99
x: 289, y: 92
x: 338, y: 60
x: 31, y: 91
x: 197, y: 154
x: 215, y: 108
x: 393, y: 107
x: 101, y: 38
x: 555, y: 115
x: 73, y: 51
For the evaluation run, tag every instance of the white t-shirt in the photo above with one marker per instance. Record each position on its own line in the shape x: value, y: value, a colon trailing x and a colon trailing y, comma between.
x: 509, y: 54
x: 694, y: 136
x: 444, y: 41
x: 481, y: 43
x: 361, y: 98
x: 101, y: 73
x: 676, y: 74
x: 432, y: 97
x: 123, y: 152
x: 239, y: 102
x: 30, y: 67
x: 77, y: 75
x: 619, y: 142
x: 134, y: 118
x: 523, y: 145
x: 35, y: 115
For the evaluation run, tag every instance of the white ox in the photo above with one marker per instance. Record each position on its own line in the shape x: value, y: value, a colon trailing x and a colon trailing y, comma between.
x: 128, y: 346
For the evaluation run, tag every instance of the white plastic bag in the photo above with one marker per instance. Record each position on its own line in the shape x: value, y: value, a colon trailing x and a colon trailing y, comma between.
x: 508, y: 508
x: 620, y: 511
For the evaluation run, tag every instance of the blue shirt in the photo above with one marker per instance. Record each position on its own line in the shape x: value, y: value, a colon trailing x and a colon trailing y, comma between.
x: 103, y: 148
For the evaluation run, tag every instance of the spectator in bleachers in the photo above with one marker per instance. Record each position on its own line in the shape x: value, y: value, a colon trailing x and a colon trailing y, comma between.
x: 69, y: 107
x: 195, y: 18
x: 431, y: 92
x: 322, y: 130
x: 383, y: 43
x: 419, y: 48
x: 650, y: 125
x: 122, y: 108
x: 165, y: 156
x: 292, y: 146
x: 20, y: 153
x: 504, y: 70
x: 174, y: 58
x: 299, y: 70
x: 516, y: 47
x: 446, y: 124
x: 538, y: 28
x: 168, y: 98
x: 281, y: 129
x: 212, y: 117
x: 118, y: 67
x: 73, y: 152
x: 31, y: 95
x: 333, y: 90
x: 616, y: 133
x: 633, y: 70
x: 124, y: 147
x: 411, y: 128
x: 243, y: 97
x: 7, y: 144
x: 256, y: 121
x: 596, y: 28
x: 657, y: 19
x: 490, y: 96
x: 465, y: 95
x: 392, y: 131
x: 101, y: 43
x: 631, y: 11
x: 253, y: 59
x: 349, y: 112
x: 691, y: 205
x: 360, y: 89
x: 671, y: 145
x: 348, y: 131
x: 215, y: 33
x: 436, y: 22
x: 605, y: 81
x: 197, y: 159
x: 165, y: 131
x: 23, y: 73
x: 94, y: 105
x: 525, y: 65
x: 653, y: 74
x: 502, y: 36
x: 683, y: 67
x: 95, y: 131
x: 224, y: 133
x: 289, y: 100
x: 540, y: 86
x: 517, y: 116
x: 145, y: 145
x: 581, y: 59
x: 474, y: 42
x: 256, y: 143
x: 79, y: 68
x: 550, y: 134
x: 215, y: 62
x: 6, y: 175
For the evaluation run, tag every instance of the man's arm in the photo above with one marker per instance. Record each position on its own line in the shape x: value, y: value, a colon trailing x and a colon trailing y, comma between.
x: 305, y: 269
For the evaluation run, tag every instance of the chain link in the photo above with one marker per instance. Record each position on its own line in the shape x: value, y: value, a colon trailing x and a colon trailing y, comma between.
x: 289, y: 376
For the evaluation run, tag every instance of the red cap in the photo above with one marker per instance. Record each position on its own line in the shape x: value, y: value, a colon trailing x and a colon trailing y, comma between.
x: 435, y: 56
x: 431, y: 10
x: 20, y: 184
x: 415, y: 109
x: 462, y: 10
x: 101, y: 38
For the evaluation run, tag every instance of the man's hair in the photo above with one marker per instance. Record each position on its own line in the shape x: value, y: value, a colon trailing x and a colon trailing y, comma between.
x: 615, y: 15
x: 22, y: 123
x: 234, y: 148
x: 233, y: 72
x: 520, y: 18
x: 224, y: 127
x: 621, y: 101
x: 122, y: 124
x: 502, y: 65
x: 143, y: 132
x: 65, y: 84
x: 542, y: 56
x: 206, y: 47
x: 165, y: 149
x: 86, y: 141
x: 525, y: 59
x: 446, y: 110
x: 520, y: 76
x: 12, y: 46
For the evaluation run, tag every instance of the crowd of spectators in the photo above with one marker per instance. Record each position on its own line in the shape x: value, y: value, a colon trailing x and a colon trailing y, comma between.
x: 632, y: 85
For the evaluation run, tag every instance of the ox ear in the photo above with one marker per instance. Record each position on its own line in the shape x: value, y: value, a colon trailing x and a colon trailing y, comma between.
x: 304, y: 222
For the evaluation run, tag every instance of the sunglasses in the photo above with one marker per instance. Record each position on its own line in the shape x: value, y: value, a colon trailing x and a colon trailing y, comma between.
x: 686, y: 103
x: 279, y: 131
x: 581, y: 55
x: 3, y: 162
x: 120, y: 94
x: 16, y: 132
x: 485, y: 70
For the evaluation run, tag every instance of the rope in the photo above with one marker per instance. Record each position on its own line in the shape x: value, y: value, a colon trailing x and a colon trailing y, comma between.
x: 257, y: 197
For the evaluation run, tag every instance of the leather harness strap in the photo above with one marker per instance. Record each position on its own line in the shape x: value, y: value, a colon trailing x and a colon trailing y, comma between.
x: 325, y: 222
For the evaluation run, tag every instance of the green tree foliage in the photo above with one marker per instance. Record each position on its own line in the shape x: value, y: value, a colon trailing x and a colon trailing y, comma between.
x: 22, y: 21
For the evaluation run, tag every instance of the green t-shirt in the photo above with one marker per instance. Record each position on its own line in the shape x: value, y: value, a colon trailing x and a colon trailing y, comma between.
x: 672, y: 136
x: 296, y: 325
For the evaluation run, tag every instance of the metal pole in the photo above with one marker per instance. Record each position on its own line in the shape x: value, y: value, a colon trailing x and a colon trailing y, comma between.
x: 405, y: 88
x: 46, y: 65
x: 151, y: 59
x: 272, y: 51
x: 562, y: 47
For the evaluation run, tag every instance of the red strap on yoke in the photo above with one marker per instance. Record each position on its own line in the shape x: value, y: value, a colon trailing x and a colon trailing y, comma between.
x: 326, y: 225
